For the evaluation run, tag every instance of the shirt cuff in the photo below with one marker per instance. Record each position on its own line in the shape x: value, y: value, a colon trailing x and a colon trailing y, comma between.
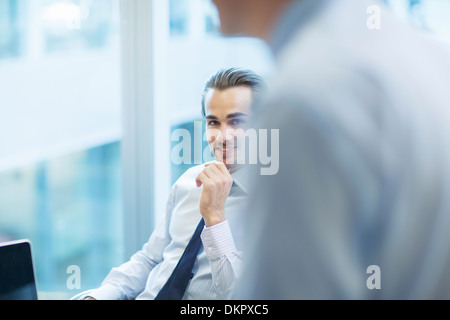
x: 218, y: 240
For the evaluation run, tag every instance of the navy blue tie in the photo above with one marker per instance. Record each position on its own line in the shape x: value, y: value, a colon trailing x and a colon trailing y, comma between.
x: 176, y: 285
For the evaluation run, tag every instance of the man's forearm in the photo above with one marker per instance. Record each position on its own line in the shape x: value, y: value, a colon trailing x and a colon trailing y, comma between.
x: 224, y: 257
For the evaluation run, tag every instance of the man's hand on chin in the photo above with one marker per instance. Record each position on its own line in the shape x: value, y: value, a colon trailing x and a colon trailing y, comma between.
x: 217, y: 182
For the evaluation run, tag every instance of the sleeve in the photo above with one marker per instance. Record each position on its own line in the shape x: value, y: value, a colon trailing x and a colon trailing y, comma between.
x: 225, y: 259
x: 127, y: 281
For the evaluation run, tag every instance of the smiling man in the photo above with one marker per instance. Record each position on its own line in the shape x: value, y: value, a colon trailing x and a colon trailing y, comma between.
x: 194, y: 252
x: 227, y: 102
x: 224, y: 122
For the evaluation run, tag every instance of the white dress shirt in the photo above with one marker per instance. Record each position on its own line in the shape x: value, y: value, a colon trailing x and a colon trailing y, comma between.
x: 364, y: 164
x: 218, y: 264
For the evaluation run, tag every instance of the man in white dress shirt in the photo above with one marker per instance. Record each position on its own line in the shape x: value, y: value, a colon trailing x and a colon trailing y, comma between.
x: 360, y: 207
x: 215, y: 191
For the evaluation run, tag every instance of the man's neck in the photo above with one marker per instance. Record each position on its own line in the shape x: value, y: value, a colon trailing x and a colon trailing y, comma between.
x: 268, y: 17
x: 235, y: 168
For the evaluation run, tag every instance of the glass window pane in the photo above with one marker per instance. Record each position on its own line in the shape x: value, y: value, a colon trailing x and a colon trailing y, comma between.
x: 11, y: 18
x: 60, y: 162
x: 178, y: 20
x: 431, y: 16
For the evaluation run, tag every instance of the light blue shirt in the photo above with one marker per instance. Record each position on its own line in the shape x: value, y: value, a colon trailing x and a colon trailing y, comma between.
x: 218, y: 264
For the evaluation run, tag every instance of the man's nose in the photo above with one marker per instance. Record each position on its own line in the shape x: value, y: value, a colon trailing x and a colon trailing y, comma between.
x: 225, y: 134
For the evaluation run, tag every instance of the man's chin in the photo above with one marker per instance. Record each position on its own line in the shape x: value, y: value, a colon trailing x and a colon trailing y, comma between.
x: 231, y: 164
x: 231, y: 32
x: 229, y: 161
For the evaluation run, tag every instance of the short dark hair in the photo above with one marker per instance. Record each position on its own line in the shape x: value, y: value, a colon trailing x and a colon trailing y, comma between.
x: 233, y: 77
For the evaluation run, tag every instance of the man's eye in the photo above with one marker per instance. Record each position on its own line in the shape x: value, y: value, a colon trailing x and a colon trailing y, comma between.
x: 236, y: 122
x: 212, y: 123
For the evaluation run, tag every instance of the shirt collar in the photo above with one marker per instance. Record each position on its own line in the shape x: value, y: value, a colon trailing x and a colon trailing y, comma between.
x: 294, y: 17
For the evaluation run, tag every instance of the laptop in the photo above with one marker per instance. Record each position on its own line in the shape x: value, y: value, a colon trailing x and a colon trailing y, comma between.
x: 17, y: 280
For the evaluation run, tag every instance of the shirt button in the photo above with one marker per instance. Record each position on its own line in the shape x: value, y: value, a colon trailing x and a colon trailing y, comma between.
x: 210, y: 249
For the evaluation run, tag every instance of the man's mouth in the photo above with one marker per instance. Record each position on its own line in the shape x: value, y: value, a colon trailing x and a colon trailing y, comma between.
x: 226, y: 149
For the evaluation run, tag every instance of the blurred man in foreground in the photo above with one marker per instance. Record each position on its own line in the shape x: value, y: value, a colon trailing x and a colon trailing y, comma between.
x: 360, y: 207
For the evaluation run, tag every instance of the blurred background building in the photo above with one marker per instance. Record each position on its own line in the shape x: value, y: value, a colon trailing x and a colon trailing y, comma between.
x: 62, y: 119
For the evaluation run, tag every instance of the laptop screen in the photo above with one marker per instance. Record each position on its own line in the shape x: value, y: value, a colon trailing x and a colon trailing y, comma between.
x: 17, y: 280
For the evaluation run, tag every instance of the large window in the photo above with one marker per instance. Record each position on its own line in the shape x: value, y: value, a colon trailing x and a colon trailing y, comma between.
x: 60, y: 129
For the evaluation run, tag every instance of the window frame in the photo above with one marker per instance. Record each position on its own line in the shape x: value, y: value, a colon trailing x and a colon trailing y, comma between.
x: 146, y: 129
